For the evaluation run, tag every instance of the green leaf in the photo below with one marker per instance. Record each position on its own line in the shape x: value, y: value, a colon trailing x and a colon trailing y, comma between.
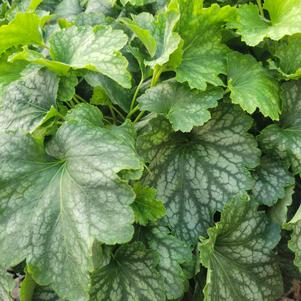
x: 157, y: 33
x: 96, y: 50
x: 9, y: 72
x: 172, y: 253
x: 67, y: 87
x: 285, y: 17
x: 27, y: 101
x: 137, y: 2
x: 183, y: 107
x: 68, y: 8
x: 252, y: 86
x: 287, y: 56
x: 279, y: 211
x: 196, y: 173
x: 285, y: 137
x: 93, y: 49
x: 239, y: 256
x: 117, y: 94
x: 6, y: 285
x: 271, y: 180
x: 131, y: 276
x: 100, y: 6
x: 23, y: 30
x: 294, y: 244
x: 146, y: 207
x: 56, y: 202
x: 204, y: 55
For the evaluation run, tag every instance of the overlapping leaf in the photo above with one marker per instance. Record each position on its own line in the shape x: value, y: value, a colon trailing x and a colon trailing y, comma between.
x: 285, y: 17
x: 172, y: 253
x: 271, y: 180
x: 285, y: 137
x: 6, y: 285
x: 55, y: 202
x: 204, y: 56
x: 183, y: 107
x: 239, y: 256
x: 196, y: 173
x: 28, y: 100
x: 131, y: 275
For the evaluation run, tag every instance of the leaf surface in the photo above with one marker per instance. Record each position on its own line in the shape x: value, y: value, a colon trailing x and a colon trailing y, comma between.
x: 56, y: 202
x: 6, y: 285
x: 196, y: 173
x: 285, y: 137
x: 252, y: 86
x: 239, y: 256
x: 131, y: 275
x: 183, y: 107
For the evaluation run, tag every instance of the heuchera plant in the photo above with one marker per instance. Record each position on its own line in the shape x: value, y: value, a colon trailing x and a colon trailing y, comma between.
x: 150, y: 150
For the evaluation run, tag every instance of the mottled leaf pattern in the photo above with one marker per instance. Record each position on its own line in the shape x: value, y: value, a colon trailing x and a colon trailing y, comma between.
x: 76, y: 197
x: 6, y: 285
x: 27, y: 101
x: 239, y: 256
x: 285, y: 137
x: 131, y: 275
x: 196, y: 173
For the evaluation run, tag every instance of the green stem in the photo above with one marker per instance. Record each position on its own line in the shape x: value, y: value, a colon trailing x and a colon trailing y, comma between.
x: 156, y: 76
x: 259, y: 3
x: 139, y: 116
x: 136, y: 93
x: 80, y: 98
x: 74, y: 98
x: 113, y: 114
x: 132, y: 112
x: 118, y: 112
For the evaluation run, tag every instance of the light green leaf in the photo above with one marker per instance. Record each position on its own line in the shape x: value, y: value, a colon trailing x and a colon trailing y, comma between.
x: 172, y: 253
x: 131, y: 276
x: 285, y: 137
x: 27, y: 100
x: 56, y: 202
x: 100, y: 53
x: 183, y: 107
x: 9, y: 72
x: 146, y: 207
x: 239, y: 256
x: 157, y: 33
x: 96, y: 50
x: 23, y: 30
x: 67, y: 87
x: 271, y: 180
x: 204, y: 55
x: 285, y: 18
x: 100, y: 6
x: 252, y: 86
x: 287, y: 54
x: 196, y: 173
x: 137, y: 2
x: 6, y: 285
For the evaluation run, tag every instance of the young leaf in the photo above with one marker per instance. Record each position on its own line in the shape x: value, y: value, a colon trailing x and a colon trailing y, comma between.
x: 157, y: 34
x: 183, y: 107
x: 285, y: 17
x: 196, y: 173
x: 27, y: 101
x: 239, y: 256
x: 271, y: 180
x: 23, y: 30
x: 131, y: 275
x: 172, y: 253
x: 204, y: 56
x: 56, y: 202
x: 67, y: 86
x: 285, y: 138
x: 146, y: 207
x: 6, y: 285
x: 252, y: 86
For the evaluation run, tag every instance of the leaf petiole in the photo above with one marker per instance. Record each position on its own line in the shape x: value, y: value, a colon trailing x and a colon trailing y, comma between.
x: 259, y: 3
